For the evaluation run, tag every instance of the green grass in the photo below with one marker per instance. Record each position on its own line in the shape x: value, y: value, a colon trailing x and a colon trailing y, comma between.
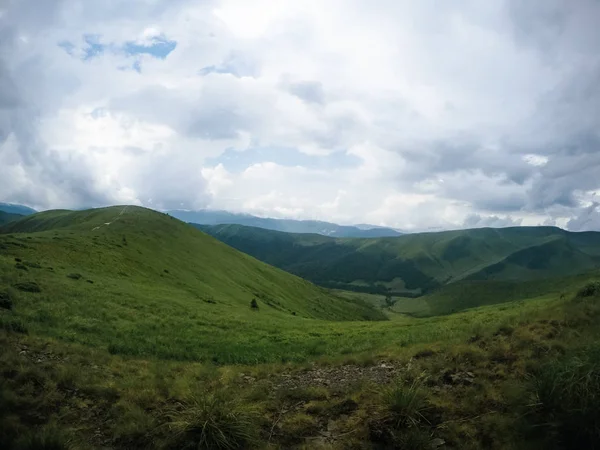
x: 412, y: 264
x: 463, y: 295
x: 149, y: 285
x: 142, y: 336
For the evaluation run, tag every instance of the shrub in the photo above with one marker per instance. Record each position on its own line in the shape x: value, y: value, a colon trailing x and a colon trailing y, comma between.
x: 28, y: 286
x: 74, y: 276
x: 6, y: 300
x: 254, y: 304
x: 213, y: 421
x: 33, y: 265
x: 21, y: 266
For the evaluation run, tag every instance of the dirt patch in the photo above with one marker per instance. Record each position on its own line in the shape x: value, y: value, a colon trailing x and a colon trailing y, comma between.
x: 384, y: 372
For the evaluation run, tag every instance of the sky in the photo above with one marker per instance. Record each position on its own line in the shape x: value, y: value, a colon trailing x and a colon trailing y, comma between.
x: 416, y: 115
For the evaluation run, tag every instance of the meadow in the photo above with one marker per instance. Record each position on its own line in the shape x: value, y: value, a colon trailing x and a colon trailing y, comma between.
x: 125, y: 328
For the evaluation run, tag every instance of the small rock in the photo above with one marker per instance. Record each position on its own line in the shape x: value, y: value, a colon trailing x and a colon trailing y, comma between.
x: 39, y: 361
x: 470, y: 374
x: 437, y: 442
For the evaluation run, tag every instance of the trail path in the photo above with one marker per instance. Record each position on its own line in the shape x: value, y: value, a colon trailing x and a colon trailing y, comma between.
x: 114, y: 220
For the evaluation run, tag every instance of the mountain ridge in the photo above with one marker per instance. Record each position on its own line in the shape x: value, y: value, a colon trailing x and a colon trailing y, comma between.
x: 220, y: 217
x: 417, y: 263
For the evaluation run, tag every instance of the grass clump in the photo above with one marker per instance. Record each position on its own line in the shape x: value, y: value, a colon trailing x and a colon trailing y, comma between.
x: 589, y: 290
x: 404, y: 404
x: 6, y: 301
x: 213, y: 421
x: 400, y: 421
x: 567, y: 394
x: 74, y: 276
x: 47, y: 439
x: 13, y: 325
x: 28, y: 286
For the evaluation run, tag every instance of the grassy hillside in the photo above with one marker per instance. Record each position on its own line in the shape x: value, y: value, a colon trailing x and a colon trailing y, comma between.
x: 113, y: 277
x: 112, y: 320
x: 419, y: 263
x: 6, y: 217
x: 463, y: 295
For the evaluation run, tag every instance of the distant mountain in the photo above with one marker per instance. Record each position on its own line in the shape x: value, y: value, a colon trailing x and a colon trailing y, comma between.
x: 210, y: 217
x: 414, y: 264
x: 16, y: 209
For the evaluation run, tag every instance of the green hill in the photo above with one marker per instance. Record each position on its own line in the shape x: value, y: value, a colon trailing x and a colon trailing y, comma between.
x: 112, y: 276
x: 6, y: 217
x: 417, y: 263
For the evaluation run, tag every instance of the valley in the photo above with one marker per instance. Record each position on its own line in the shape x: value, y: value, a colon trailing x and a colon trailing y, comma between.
x: 416, y: 264
x: 125, y: 328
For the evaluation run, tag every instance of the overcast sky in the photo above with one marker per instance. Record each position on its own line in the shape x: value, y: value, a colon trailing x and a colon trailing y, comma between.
x: 414, y: 114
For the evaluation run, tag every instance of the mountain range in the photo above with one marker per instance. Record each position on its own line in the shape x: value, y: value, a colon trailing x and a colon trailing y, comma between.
x: 214, y: 217
x: 16, y: 209
x: 414, y: 264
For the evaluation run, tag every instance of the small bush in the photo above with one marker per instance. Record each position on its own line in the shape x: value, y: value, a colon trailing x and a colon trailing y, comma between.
x: 18, y: 260
x: 21, y: 266
x: 213, y: 421
x: 90, y: 281
x: 6, y: 300
x: 33, y: 265
x: 74, y: 276
x: 254, y: 304
x: 28, y: 286
x: 166, y: 271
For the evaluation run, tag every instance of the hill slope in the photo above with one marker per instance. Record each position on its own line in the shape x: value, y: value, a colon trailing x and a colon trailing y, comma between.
x: 209, y: 217
x: 8, y: 217
x: 417, y: 263
x: 109, y: 276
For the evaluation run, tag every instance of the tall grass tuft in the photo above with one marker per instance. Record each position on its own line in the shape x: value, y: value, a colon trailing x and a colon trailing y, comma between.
x: 567, y: 397
x: 213, y: 421
x: 404, y: 405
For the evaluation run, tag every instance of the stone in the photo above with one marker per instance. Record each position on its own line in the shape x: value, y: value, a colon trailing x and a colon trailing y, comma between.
x: 437, y: 442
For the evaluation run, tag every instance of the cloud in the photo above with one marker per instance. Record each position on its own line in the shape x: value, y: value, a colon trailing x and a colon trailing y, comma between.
x: 420, y: 115
x: 588, y: 219
x: 478, y: 221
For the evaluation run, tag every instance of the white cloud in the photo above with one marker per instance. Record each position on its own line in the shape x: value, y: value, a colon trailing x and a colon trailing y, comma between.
x: 459, y: 113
